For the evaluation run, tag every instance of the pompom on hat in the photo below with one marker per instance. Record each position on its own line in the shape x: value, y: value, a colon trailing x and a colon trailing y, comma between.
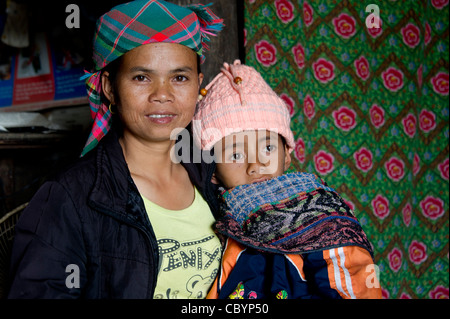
x: 238, y: 99
x: 135, y: 23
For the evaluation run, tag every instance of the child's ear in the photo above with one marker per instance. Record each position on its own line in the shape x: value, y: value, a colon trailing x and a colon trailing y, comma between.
x: 214, y: 179
x: 287, y: 157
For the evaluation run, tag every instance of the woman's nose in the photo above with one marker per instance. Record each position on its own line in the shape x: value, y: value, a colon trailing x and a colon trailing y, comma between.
x: 161, y: 92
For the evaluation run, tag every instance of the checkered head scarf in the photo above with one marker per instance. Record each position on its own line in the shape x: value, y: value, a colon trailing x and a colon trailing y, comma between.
x: 139, y: 22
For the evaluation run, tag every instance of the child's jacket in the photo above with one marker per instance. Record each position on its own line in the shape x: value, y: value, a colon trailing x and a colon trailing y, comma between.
x: 293, y: 237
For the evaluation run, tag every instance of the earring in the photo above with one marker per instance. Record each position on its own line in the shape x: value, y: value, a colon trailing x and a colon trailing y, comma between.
x: 110, y: 108
x: 202, y: 94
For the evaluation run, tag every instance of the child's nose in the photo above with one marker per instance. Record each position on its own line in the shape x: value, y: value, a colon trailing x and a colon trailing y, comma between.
x: 256, y: 167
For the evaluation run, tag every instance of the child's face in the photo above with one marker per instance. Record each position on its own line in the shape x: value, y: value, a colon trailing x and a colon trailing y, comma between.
x: 248, y: 157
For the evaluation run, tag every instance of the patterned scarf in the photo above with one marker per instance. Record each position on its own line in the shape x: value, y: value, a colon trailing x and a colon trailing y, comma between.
x: 139, y: 22
x: 293, y: 213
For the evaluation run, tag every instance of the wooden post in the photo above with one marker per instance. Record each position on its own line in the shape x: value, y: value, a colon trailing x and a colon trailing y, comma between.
x: 224, y: 47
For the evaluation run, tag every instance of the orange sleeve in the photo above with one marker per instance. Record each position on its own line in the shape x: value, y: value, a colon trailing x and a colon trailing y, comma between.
x: 230, y: 256
x: 352, y: 273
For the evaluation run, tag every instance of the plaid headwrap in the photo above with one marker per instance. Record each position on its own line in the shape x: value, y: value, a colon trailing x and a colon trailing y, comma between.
x: 139, y: 22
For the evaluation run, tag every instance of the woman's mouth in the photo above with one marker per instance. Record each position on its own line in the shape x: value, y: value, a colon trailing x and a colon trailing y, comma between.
x: 161, y: 118
x: 158, y: 116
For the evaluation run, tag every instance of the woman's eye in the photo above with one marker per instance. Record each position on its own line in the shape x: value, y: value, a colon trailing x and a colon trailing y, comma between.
x: 140, y: 78
x: 180, y: 78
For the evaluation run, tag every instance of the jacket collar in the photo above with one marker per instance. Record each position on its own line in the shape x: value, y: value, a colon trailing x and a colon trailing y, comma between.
x: 114, y: 191
x: 113, y: 182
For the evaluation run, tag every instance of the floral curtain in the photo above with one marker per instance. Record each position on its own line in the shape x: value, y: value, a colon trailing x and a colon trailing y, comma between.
x: 367, y: 84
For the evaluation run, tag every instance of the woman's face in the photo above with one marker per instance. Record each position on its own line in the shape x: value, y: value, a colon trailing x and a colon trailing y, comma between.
x: 157, y: 87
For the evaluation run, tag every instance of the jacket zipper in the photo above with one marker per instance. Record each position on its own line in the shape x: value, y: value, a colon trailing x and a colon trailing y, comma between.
x: 151, y: 239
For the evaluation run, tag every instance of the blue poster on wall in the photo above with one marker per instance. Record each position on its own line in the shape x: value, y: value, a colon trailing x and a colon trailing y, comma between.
x: 40, y: 77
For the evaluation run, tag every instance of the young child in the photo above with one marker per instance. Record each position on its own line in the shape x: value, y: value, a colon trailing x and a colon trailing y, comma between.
x: 288, y: 235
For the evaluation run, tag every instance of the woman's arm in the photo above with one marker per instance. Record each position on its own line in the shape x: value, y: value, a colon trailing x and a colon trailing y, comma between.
x: 48, y: 259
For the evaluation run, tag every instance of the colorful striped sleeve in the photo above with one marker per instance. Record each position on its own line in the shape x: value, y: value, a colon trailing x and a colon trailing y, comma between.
x: 343, y: 272
x: 230, y: 256
x: 352, y: 273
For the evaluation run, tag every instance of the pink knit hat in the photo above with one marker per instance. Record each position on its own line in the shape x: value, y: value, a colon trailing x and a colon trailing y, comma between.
x: 238, y: 99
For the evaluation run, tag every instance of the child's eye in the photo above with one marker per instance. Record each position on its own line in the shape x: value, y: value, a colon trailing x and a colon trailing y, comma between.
x: 237, y: 156
x: 270, y: 148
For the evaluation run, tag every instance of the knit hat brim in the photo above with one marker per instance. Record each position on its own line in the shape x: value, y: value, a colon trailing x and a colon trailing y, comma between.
x: 230, y: 108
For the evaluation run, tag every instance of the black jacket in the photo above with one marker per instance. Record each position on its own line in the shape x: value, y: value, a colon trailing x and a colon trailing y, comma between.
x: 86, y: 234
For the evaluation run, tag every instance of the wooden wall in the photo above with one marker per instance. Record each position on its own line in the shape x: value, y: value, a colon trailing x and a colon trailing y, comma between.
x: 225, y: 47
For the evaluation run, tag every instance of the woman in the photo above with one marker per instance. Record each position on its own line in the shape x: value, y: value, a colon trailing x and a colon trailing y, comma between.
x: 125, y: 221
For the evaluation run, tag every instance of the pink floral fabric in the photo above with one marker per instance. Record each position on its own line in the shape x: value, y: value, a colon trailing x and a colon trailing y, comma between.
x: 370, y: 114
